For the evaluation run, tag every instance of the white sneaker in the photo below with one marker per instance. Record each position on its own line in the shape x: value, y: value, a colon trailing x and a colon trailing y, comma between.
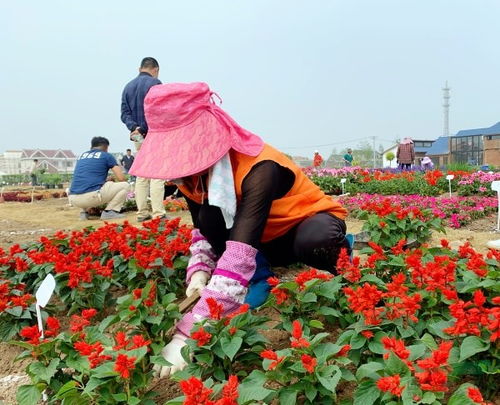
x: 111, y: 215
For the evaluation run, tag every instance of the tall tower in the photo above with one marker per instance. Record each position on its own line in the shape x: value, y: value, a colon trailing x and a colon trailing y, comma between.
x: 446, y: 110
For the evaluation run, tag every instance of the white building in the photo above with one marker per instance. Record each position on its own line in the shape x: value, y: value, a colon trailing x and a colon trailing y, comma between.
x: 52, y: 160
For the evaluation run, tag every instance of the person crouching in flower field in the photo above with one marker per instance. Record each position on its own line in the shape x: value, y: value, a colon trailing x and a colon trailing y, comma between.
x: 251, y: 206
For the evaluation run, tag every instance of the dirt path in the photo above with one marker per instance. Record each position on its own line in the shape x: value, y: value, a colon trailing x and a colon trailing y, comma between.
x: 25, y: 222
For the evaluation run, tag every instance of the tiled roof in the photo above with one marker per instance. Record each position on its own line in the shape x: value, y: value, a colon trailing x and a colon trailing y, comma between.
x: 48, y: 153
x: 439, y: 147
x: 493, y: 130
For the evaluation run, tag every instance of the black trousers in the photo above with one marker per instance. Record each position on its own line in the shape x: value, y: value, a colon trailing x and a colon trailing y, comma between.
x: 316, y: 241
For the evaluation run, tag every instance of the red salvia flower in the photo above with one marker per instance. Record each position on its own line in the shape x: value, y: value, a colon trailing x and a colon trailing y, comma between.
x: 124, y: 365
x: 271, y: 355
x: 121, y: 341
x: 89, y: 313
x: 273, y: 281
x: 298, y: 340
x: 201, y: 336
x: 309, y: 363
x: 280, y: 294
x: 31, y: 334
x: 391, y: 384
x: 302, y: 278
x: 196, y: 393
x: 139, y: 341
x: 216, y: 309
x: 475, y: 395
x: 53, y: 327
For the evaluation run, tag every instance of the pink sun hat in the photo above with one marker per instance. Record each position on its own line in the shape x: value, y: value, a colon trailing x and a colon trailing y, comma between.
x: 188, y: 133
x: 406, y: 141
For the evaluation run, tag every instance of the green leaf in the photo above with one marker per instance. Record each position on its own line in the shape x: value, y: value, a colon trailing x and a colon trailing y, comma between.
x: 309, y: 297
x: 436, y: 328
x: 250, y: 391
x: 395, y: 365
x: 159, y: 360
x: 429, y: 341
x: 428, y: 398
x: 472, y: 345
x: 15, y: 311
x: 330, y: 377
x: 416, y: 351
x: 44, y: 373
x: 108, y: 321
x: 287, y: 396
x: 310, y: 392
x: 369, y: 370
x: 326, y: 350
x: 366, y: 393
x: 120, y: 397
x: 93, y: 383
x: 357, y: 341
x: 133, y: 401
x: 68, y: 389
x: 316, y: 324
x: 28, y: 395
x: 231, y: 347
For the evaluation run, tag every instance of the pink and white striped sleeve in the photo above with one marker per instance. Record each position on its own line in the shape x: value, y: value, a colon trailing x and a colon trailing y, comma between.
x: 202, y: 258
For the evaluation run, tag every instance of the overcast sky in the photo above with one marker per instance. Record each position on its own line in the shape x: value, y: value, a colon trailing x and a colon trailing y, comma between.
x: 298, y: 73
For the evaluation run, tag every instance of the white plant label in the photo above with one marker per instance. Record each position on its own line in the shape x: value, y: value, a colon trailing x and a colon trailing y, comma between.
x: 42, y: 296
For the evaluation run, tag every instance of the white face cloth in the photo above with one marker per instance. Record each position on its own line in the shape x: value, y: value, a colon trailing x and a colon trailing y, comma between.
x: 221, y: 191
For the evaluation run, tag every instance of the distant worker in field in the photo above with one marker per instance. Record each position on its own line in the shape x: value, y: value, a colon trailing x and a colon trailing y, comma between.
x: 34, y: 173
x: 127, y: 160
x: 133, y: 117
x: 251, y: 206
x: 406, y: 154
x: 427, y: 163
x: 90, y: 187
x: 348, y: 158
x: 318, y: 159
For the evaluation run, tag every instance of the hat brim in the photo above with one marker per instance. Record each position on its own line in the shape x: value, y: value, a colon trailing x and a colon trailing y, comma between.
x: 182, y: 151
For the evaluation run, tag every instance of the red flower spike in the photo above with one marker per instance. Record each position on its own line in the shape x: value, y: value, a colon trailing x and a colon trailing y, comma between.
x: 196, y: 393
x: 391, y: 384
x: 124, y: 365
x: 309, y: 363
x: 216, y: 310
x: 201, y: 336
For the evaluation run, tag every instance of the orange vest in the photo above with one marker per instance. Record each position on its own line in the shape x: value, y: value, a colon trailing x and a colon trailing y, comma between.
x: 302, y: 201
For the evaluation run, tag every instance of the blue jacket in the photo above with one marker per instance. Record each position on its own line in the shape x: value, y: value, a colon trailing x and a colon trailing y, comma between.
x: 133, y: 102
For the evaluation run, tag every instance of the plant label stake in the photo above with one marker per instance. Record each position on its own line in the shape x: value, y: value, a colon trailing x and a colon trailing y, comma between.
x: 450, y: 177
x: 495, y: 186
x: 42, y: 296
x: 342, y: 183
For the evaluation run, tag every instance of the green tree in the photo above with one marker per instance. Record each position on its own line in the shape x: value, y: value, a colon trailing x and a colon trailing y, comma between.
x: 390, y: 157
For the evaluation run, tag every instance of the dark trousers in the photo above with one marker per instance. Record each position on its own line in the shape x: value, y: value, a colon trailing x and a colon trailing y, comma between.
x: 316, y: 241
x: 405, y: 166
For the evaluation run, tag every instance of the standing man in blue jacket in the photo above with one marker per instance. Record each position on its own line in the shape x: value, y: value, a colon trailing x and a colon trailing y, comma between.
x: 133, y: 117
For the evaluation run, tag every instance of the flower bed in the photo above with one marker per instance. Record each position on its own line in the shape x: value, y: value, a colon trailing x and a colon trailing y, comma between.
x: 399, y: 326
x: 457, y: 211
x: 23, y: 196
x: 390, y: 181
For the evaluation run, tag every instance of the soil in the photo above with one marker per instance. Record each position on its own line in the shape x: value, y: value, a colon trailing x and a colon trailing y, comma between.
x: 26, y: 222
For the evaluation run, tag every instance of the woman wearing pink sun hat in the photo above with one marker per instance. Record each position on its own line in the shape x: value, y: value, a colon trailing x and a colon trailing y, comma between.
x: 251, y: 206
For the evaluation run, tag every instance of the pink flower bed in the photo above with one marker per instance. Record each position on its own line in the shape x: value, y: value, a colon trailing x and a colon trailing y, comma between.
x: 458, y: 211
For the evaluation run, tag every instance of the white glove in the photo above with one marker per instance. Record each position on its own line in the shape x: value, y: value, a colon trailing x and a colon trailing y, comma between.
x: 172, y: 353
x: 197, y: 283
